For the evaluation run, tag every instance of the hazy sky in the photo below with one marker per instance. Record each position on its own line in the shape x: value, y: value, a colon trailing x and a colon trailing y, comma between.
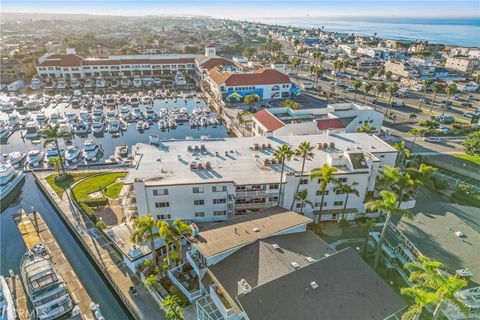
x: 253, y: 9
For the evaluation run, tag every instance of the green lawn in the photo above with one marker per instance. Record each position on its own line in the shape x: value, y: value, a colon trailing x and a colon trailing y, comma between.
x: 472, y: 159
x: 60, y: 186
x: 95, y: 184
x: 113, y: 190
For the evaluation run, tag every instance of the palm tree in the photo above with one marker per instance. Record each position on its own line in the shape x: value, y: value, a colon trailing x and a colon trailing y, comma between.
x: 347, y: 189
x: 305, y: 151
x: 431, y: 288
x: 403, y: 152
x: 144, y: 231
x: 412, y: 116
x: 178, y: 230
x: 371, y: 74
x: 367, y: 87
x: 302, y: 196
x: 282, y: 154
x: 318, y: 74
x: 367, y: 128
x: 404, y: 184
x: 388, y: 75
x: 250, y: 100
x: 425, y: 174
x: 325, y: 176
x: 165, y: 232
x: 151, y: 282
x: 380, y: 88
x: 321, y: 58
x: 296, y: 63
x: 311, y: 70
x: 369, y: 224
x: 451, y: 89
x: 51, y: 133
x: 381, y: 71
x: 415, y: 132
x: 436, y: 90
x: 426, y: 84
x: 172, y: 307
x: 392, y: 89
x: 388, y: 203
x: 357, y: 84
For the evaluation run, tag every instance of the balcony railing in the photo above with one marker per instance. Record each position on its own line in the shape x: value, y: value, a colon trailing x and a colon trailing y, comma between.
x: 196, y: 263
x: 253, y: 205
x: 220, y: 302
x: 186, y: 280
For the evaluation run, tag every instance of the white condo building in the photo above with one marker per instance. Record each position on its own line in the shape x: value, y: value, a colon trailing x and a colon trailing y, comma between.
x: 338, y: 118
x: 214, y: 180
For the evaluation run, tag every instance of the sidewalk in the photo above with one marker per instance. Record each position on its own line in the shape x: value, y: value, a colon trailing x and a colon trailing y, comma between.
x: 142, y: 306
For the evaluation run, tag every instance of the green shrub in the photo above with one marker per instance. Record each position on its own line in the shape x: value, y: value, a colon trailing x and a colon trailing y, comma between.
x: 101, y: 225
x: 173, y: 290
x: 344, y: 224
x: 97, y: 202
x: 88, y: 212
x: 468, y: 199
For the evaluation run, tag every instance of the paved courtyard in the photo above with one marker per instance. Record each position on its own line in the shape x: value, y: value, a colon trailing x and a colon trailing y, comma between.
x: 433, y: 228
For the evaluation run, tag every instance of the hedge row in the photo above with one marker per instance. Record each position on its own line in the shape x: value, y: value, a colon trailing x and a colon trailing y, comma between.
x: 97, y: 202
x: 469, y: 199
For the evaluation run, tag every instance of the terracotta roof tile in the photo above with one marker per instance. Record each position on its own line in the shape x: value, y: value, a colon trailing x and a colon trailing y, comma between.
x: 62, y: 60
x: 330, y: 124
x: 268, y: 120
x: 259, y: 77
x: 214, y: 62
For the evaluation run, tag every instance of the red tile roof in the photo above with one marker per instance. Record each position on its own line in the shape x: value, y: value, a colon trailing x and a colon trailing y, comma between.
x: 268, y: 120
x: 259, y: 77
x: 62, y: 60
x: 214, y: 62
x: 330, y: 124
x: 96, y: 62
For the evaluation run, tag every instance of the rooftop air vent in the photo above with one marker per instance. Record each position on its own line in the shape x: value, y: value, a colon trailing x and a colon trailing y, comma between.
x: 314, y: 285
x: 310, y: 259
x: 275, y: 246
x: 295, y: 265
x: 244, y: 287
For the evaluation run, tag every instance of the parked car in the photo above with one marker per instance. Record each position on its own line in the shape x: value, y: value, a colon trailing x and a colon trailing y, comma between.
x: 445, y: 119
x: 432, y: 139
x: 425, y: 100
x: 469, y: 114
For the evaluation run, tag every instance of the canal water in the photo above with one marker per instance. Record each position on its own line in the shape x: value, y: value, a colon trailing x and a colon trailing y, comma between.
x: 12, y: 246
x: 129, y: 137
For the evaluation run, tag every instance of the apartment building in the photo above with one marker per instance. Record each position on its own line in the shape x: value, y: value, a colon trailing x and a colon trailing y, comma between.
x: 401, y: 69
x: 12, y: 70
x: 218, y: 179
x: 335, y: 118
x: 462, y: 64
x: 235, y: 268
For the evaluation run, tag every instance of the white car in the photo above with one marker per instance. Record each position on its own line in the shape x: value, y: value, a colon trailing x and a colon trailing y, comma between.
x: 432, y: 139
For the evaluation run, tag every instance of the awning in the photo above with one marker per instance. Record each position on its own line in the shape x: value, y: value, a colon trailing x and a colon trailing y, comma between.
x: 295, y: 91
x: 234, y: 96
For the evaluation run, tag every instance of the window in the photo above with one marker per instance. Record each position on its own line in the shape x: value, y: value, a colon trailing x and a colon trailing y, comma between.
x: 338, y: 203
x: 304, y: 181
x: 337, y: 191
x: 160, y: 192
x: 319, y: 193
x: 199, y: 214
x: 199, y: 202
x: 273, y: 187
x: 299, y: 205
x: 343, y: 180
x: 162, y: 204
x: 220, y: 213
x: 219, y: 201
x: 164, y: 216
x: 219, y: 188
x: 382, y: 156
x: 197, y: 189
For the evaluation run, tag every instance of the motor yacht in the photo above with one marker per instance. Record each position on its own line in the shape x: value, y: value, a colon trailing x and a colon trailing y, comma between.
x: 7, y: 304
x: 137, y: 82
x: 36, y: 83
x: 54, y: 118
x: 77, y: 94
x: 71, y: 117
x: 110, y: 102
x: 31, y: 130
x: 15, y: 158
x: 50, y: 153
x: 134, y: 101
x: 100, y: 83
x: 88, y: 83
x: 4, y: 133
x: 124, y: 82
x: 35, y: 157
x: 45, y: 288
x: 113, y: 126
x: 61, y: 84
x: 81, y: 128
x: 97, y: 114
x: 90, y: 150
x: 124, y: 112
x: 72, y: 153
x: 97, y: 127
x: 9, y: 179
x: 115, y: 84
x: 137, y: 113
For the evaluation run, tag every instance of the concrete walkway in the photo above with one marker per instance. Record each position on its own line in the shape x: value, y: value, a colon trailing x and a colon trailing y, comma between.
x: 142, y: 306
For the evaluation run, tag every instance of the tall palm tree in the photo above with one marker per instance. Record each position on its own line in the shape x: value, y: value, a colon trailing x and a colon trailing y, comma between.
x: 282, y: 154
x: 431, y: 288
x: 371, y: 74
x: 403, y: 186
x: 387, y: 177
x: 425, y: 174
x: 367, y: 87
x: 302, y: 196
x: 415, y: 132
x: 51, y: 134
x: 250, y: 100
x: 357, y: 84
x: 369, y: 224
x: 388, y: 203
x: 438, y: 88
x: 296, y: 63
x: 305, y: 151
x: 172, y: 307
x: 380, y: 88
x: 318, y: 74
x: 165, y: 232
x: 347, y: 189
x: 451, y: 89
x: 321, y: 58
x: 311, y: 70
x: 178, y: 230
x: 392, y: 89
x: 388, y: 75
x: 325, y: 176
x: 151, y: 282
x: 144, y: 231
x: 403, y: 152
x: 426, y: 84
x: 381, y: 71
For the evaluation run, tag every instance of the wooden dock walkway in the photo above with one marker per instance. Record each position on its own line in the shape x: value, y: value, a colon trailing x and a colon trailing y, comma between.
x: 19, y: 298
x: 34, y: 231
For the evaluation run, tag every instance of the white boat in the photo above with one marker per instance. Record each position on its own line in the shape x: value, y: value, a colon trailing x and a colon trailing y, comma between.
x: 150, y: 115
x: 146, y: 100
x: 97, y: 127
x: 36, y: 83
x: 35, y: 157
x: 31, y: 130
x: 162, y: 124
x: 52, y: 152
x: 54, y: 117
x: 113, y: 126
x: 15, y: 158
x: 112, y: 114
x: 33, y: 105
x: 81, y: 128
x: 134, y: 101
x: 137, y: 113
x: 97, y: 115
x: 74, y: 83
x: 88, y: 83
x: 84, y: 116
x: 4, y: 133
x: 7, y: 305
x: 110, y: 102
x: 61, y: 84
x: 114, y: 84
x: 45, y: 289
x: 90, y: 150
x: 95, y: 308
x: 122, y: 99
x: 66, y: 127
x: 77, y: 94
x: 100, y: 83
x: 147, y: 82
x: 124, y: 82
x: 41, y: 117
x: 72, y: 153
x: 98, y: 101
x: 154, y: 138
x: 172, y: 123
x: 9, y: 179
x: 71, y: 117
x: 157, y: 81
x: 137, y: 82
x: 124, y: 112
x: 7, y: 106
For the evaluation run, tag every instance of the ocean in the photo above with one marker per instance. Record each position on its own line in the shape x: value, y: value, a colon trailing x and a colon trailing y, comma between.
x: 451, y: 31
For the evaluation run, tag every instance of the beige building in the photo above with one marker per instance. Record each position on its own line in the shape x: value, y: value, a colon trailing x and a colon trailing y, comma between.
x: 461, y: 64
x: 401, y: 69
x: 12, y: 70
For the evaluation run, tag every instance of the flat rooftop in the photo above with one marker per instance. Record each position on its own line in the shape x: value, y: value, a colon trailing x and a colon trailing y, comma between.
x: 231, y: 158
x: 224, y: 236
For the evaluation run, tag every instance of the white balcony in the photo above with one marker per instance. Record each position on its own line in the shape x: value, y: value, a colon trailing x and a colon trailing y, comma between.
x: 197, y: 264
x: 221, y: 303
x: 409, y: 204
x: 186, y: 279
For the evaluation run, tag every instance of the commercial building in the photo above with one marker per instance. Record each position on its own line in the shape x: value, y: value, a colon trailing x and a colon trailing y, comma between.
x: 218, y: 179
x: 462, y: 64
x: 12, y: 70
x: 335, y: 118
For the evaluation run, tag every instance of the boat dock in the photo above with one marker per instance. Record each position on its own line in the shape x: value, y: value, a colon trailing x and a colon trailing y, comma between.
x: 34, y: 231
x: 19, y: 298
